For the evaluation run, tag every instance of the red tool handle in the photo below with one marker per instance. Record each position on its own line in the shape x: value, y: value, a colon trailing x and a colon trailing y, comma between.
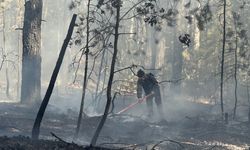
x: 133, y: 104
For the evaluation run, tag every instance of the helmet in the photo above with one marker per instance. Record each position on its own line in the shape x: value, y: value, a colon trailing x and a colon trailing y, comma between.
x: 140, y: 73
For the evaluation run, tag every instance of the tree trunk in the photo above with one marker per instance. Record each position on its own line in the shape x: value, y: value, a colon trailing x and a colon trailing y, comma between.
x: 177, y: 64
x: 98, y: 81
x: 222, y: 58
x: 7, y: 82
x: 39, y: 117
x: 99, y: 97
x: 235, y: 70
x: 20, y: 4
x: 31, y: 62
x: 85, y: 75
x: 18, y: 68
x: 248, y: 99
x: 6, y: 62
x: 109, y: 88
x: 153, y: 47
x: 177, y: 61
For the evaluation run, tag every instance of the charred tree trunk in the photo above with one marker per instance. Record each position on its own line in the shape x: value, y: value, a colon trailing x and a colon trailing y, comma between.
x: 31, y: 61
x: 39, y: 117
x: 85, y: 75
x: 222, y: 58
x: 111, y: 76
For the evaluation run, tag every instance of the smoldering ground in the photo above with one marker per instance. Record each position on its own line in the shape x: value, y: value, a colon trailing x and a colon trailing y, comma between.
x: 189, y: 125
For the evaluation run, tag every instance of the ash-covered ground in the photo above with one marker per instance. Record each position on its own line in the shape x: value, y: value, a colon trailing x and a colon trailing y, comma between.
x: 188, y: 126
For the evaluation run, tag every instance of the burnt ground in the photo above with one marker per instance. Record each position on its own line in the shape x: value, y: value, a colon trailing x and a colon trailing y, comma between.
x: 126, y: 131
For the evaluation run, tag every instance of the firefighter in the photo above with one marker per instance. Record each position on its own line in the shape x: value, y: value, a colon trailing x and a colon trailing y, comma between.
x: 149, y: 84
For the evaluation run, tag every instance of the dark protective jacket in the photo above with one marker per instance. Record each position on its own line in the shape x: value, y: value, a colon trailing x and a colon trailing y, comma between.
x: 148, y: 84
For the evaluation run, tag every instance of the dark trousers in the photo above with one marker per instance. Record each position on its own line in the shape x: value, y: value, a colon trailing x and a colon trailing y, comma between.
x: 157, y: 98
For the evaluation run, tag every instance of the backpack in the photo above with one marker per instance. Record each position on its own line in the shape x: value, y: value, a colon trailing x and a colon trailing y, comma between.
x: 152, y: 78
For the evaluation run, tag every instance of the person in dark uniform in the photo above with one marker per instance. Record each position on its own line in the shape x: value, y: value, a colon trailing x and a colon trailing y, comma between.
x: 149, y: 84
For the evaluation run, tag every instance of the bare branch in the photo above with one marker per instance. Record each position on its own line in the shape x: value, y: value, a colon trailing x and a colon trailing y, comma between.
x: 131, y: 9
x: 129, y: 67
x: 173, y: 81
x: 167, y: 140
x: 60, y: 139
x: 126, y: 33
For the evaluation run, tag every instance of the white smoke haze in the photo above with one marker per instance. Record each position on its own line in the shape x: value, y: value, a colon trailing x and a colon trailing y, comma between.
x: 197, y: 102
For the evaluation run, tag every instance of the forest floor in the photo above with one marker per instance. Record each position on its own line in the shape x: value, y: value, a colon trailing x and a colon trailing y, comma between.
x: 202, y: 131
